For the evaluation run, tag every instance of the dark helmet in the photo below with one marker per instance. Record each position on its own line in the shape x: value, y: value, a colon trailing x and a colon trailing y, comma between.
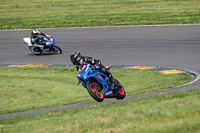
x: 75, y: 57
x: 35, y: 32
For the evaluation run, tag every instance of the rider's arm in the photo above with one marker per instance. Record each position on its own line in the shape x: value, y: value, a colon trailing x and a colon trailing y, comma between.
x: 77, y: 68
x: 46, y: 35
x: 92, y: 61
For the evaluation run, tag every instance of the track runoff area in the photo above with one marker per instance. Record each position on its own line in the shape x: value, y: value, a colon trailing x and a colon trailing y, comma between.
x: 163, y: 70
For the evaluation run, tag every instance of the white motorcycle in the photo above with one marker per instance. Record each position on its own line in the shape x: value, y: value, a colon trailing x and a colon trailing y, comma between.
x: 49, y: 46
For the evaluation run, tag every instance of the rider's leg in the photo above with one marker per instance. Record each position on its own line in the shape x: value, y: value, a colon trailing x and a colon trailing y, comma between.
x: 42, y: 44
x: 108, y: 74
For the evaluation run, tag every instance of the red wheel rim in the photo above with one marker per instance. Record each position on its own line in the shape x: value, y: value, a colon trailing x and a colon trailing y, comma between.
x: 96, y: 92
x: 120, y: 91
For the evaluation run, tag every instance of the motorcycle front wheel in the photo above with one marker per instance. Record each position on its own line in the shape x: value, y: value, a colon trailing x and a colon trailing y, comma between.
x: 94, y: 90
x: 35, y: 50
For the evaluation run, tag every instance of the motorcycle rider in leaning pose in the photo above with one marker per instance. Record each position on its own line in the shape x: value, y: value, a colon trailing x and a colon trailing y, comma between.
x: 77, y: 59
x: 35, y: 37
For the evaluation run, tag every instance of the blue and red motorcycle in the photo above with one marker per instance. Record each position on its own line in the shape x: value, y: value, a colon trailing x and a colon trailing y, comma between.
x: 98, y: 85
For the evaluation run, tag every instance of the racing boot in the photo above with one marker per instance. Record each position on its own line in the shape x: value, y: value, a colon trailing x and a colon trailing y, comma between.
x: 113, y: 82
x: 41, y: 46
x: 110, y: 83
x: 116, y: 84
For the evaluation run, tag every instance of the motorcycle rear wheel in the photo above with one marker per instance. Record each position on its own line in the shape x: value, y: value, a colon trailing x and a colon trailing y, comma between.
x: 120, y: 92
x: 35, y: 50
x: 94, y: 90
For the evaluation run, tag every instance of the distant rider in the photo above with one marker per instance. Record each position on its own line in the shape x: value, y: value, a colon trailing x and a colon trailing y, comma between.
x: 77, y: 59
x: 35, y: 37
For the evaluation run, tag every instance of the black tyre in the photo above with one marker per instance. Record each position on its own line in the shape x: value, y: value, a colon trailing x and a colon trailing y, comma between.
x: 94, y: 90
x: 35, y: 50
x: 120, y: 91
x: 57, y: 50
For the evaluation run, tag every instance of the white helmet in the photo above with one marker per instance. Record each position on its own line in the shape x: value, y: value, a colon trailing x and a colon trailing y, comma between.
x: 35, y: 31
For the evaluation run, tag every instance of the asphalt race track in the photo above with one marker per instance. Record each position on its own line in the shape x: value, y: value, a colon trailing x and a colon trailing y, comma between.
x: 176, y: 46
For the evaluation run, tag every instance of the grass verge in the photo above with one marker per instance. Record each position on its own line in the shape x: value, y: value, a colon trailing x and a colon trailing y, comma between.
x: 20, y: 14
x: 24, y: 89
x: 172, y: 113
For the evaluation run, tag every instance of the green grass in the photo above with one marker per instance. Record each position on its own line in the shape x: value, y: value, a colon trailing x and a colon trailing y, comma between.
x: 177, y: 112
x: 20, y: 14
x: 42, y: 87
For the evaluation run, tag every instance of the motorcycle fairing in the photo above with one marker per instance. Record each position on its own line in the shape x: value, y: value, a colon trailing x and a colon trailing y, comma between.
x: 27, y: 40
x: 85, y: 73
x: 48, y: 44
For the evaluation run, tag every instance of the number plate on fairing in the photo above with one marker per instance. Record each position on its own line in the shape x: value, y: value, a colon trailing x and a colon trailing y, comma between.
x: 108, y: 93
